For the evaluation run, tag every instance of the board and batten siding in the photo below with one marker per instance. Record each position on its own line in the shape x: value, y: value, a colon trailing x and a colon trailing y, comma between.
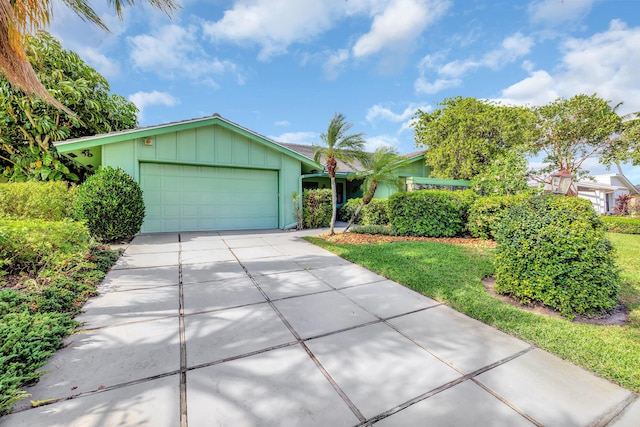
x: 212, y: 145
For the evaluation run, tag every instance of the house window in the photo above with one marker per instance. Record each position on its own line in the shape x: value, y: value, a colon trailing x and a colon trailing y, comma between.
x: 309, y: 185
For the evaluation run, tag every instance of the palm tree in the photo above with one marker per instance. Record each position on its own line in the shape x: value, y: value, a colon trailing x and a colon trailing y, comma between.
x: 380, y: 167
x: 338, y: 146
x: 20, y: 17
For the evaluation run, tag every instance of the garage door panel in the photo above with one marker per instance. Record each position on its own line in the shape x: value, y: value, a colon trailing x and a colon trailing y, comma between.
x: 187, y: 198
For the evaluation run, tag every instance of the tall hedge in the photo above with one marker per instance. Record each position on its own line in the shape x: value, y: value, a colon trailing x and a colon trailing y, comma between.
x: 553, y: 250
x: 486, y: 212
x: 111, y: 204
x: 51, y: 201
x: 430, y: 213
x: 316, y: 208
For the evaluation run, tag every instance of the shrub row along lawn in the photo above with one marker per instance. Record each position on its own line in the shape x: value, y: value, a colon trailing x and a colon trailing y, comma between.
x: 453, y: 275
x: 48, y: 269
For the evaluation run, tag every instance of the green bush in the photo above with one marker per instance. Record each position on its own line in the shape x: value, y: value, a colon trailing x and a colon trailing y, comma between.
x: 348, y: 208
x: 30, y: 246
x: 316, y: 208
x: 51, y: 201
x: 111, y: 203
x: 376, y: 212
x: 552, y: 250
x: 486, y: 212
x: 616, y: 224
x: 430, y: 213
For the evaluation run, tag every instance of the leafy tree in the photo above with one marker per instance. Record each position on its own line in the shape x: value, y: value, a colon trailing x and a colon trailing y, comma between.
x: 30, y: 126
x: 466, y: 135
x: 584, y: 126
x: 507, y: 175
x: 338, y: 145
x: 21, y: 17
x: 380, y: 166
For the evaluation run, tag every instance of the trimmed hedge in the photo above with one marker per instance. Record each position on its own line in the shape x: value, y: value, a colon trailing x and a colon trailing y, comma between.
x: 316, y: 208
x: 486, y: 212
x: 430, y: 213
x: 622, y: 225
x: 52, y: 201
x: 376, y: 212
x: 111, y: 204
x: 553, y: 250
x: 30, y: 246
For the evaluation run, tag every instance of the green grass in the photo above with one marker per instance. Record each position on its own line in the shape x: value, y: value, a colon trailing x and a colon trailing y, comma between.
x: 453, y: 275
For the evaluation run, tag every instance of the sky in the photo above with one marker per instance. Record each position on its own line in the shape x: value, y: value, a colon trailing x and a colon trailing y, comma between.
x: 283, y: 68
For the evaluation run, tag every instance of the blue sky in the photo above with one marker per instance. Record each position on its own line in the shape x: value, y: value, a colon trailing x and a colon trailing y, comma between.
x: 283, y: 67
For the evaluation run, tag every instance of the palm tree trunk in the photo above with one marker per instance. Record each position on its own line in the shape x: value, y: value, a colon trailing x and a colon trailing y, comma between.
x: 354, y: 216
x: 334, y: 202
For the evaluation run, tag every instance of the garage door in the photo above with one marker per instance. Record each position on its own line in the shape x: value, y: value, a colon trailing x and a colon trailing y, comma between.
x: 196, y: 198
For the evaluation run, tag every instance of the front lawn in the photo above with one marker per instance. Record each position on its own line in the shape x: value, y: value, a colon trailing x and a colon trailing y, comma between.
x: 453, y: 275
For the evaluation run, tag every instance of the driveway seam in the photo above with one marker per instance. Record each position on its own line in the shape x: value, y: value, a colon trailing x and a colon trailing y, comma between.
x: 183, y: 342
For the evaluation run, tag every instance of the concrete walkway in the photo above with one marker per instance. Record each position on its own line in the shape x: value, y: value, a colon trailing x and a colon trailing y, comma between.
x: 265, y: 329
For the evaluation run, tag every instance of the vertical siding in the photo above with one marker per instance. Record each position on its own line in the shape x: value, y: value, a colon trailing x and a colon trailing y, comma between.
x: 121, y: 155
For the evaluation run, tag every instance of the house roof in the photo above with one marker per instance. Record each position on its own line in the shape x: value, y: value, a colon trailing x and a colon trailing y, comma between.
x: 308, y: 151
x: 148, y: 131
x: 605, y: 182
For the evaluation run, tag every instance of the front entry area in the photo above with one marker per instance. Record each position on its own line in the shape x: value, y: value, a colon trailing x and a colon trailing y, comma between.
x: 201, y: 198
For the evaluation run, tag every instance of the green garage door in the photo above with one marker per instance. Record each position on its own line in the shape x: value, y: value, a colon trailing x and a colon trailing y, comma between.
x: 197, y: 198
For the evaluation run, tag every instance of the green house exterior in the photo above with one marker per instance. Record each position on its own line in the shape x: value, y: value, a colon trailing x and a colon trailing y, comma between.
x: 213, y: 174
x: 202, y: 174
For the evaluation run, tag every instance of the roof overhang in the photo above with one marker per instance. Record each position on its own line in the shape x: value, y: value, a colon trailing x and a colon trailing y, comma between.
x: 148, y: 131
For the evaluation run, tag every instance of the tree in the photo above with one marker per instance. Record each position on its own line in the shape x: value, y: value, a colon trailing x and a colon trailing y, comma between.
x: 338, y: 146
x: 19, y: 18
x: 380, y: 166
x: 466, y: 135
x: 30, y: 126
x: 581, y: 127
x: 507, y: 175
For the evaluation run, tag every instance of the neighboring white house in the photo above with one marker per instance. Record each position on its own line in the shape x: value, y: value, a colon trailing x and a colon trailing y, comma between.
x: 604, y: 190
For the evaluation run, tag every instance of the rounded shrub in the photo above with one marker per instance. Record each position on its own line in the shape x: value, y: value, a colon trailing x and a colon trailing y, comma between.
x: 486, y: 212
x: 430, y: 213
x: 553, y: 250
x: 111, y: 204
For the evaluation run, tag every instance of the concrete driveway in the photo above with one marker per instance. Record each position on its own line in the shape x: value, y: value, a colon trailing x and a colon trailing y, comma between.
x: 265, y: 329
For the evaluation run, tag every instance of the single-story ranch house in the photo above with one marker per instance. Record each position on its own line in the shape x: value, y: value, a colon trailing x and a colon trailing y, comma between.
x: 604, y: 189
x: 212, y: 174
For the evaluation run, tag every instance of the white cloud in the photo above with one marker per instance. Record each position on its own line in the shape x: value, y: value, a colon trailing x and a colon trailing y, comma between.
x: 374, y: 142
x: 335, y: 63
x: 282, y: 123
x: 555, y: 12
x: 274, y: 24
x: 399, y: 25
x: 422, y: 85
x: 105, y: 66
x: 605, y: 63
x: 449, y: 75
x: 173, y: 51
x: 145, y: 99
x: 379, y: 113
x: 308, y: 138
x: 512, y: 48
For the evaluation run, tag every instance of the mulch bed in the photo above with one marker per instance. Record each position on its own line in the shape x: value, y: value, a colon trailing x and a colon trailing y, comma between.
x: 359, y: 239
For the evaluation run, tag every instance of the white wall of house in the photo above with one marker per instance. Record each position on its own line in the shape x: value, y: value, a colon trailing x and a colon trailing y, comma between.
x: 604, y: 190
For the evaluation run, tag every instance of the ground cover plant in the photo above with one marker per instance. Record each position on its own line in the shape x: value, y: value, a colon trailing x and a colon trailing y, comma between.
x: 48, y: 269
x: 453, y: 275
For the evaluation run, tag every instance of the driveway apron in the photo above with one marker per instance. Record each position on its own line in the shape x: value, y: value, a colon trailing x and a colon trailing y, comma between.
x: 261, y: 328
